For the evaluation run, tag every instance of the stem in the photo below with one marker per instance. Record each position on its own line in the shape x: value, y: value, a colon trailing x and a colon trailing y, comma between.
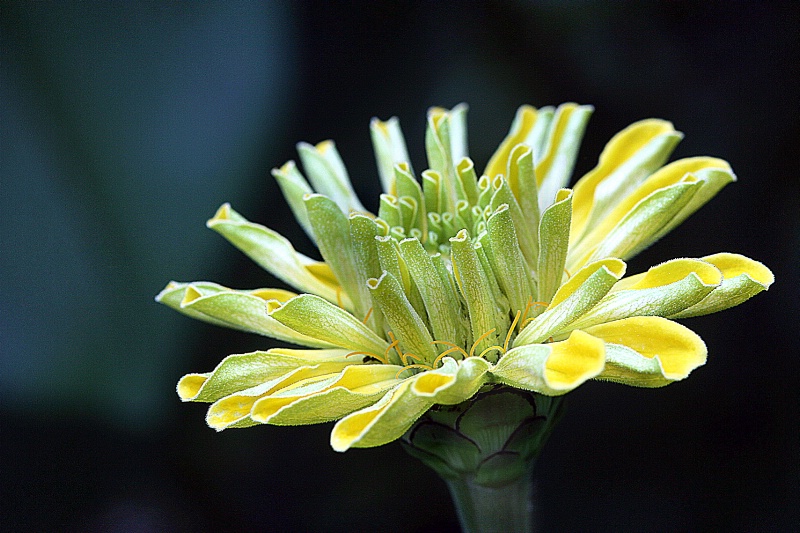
x: 484, y: 509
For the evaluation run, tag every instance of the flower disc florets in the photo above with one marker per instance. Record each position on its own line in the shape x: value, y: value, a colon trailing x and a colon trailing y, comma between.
x: 463, y: 281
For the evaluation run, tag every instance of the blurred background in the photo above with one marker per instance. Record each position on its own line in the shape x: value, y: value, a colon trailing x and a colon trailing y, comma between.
x: 125, y: 125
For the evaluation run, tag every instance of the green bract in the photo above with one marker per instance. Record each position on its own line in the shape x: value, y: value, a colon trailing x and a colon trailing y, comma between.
x: 463, y: 282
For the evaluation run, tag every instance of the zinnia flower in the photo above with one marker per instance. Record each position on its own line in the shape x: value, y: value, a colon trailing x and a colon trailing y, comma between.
x: 464, y: 282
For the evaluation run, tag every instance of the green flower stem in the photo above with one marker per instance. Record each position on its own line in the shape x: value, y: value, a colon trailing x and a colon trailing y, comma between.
x: 486, y: 509
x: 485, y: 449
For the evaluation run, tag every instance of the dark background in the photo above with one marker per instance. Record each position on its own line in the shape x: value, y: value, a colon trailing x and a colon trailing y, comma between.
x: 125, y: 125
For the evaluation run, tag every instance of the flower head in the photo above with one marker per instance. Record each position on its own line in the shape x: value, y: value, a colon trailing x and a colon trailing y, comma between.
x: 461, y: 282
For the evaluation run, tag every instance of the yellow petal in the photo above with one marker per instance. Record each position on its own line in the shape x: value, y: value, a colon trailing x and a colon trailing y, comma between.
x: 629, y: 157
x: 743, y: 279
x: 312, y: 401
x: 382, y: 422
x: 555, y: 368
x: 662, y: 351
x: 664, y: 177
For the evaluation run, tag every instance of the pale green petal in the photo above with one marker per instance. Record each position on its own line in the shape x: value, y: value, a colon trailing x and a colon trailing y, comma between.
x: 522, y: 132
x: 275, y: 253
x: 553, y: 244
x: 235, y: 409
x: 327, y: 173
x: 439, y: 137
x: 440, y: 300
x: 319, y: 319
x: 507, y: 260
x: 664, y: 290
x: 242, y: 371
x: 332, y: 233
x: 294, y: 187
x: 243, y: 310
x: 390, y: 148
x: 743, y: 279
x: 628, y: 158
x: 382, y: 422
x: 649, y: 351
x: 583, y: 290
x: 454, y: 382
x: 314, y: 401
x: 474, y: 286
x: 554, y: 368
x: 405, y: 323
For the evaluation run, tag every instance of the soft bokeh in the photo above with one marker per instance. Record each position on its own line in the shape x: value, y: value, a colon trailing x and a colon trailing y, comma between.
x: 123, y: 126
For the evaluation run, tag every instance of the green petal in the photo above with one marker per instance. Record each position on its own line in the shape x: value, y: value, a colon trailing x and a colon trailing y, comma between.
x: 390, y: 148
x: 243, y: 310
x: 328, y: 174
x: 552, y: 369
x: 405, y: 322
x: 664, y: 290
x: 527, y: 232
x: 475, y: 288
x: 553, y: 245
x: 583, y: 290
x: 408, y: 187
x: 332, y: 233
x: 649, y: 351
x: 522, y: 181
x: 314, y: 401
x: 743, y: 279
x: 628, y: 158
x: 294, y: 187
x: 319, y: 319
x: 274, y: 253
x: 242, y: 371
x: 437, y: 294
x: 382, y: 422
x: 453, y: 382
x: 507, y: 260
x: 234, y: 410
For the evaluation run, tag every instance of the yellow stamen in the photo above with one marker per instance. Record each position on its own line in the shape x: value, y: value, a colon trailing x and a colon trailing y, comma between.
x: 472, y: 350
x: 568, y: 274
x: 510, y: 331
x: 397, y: 376
x: 453, y: 348
x: 396, y: 345
x: 389, y: 349
x: 490, y: 348
x: 369, y: 313
x: 406, y: 355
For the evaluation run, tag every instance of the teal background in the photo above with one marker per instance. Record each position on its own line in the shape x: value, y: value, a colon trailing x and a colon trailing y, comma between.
x: 123, y: 126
